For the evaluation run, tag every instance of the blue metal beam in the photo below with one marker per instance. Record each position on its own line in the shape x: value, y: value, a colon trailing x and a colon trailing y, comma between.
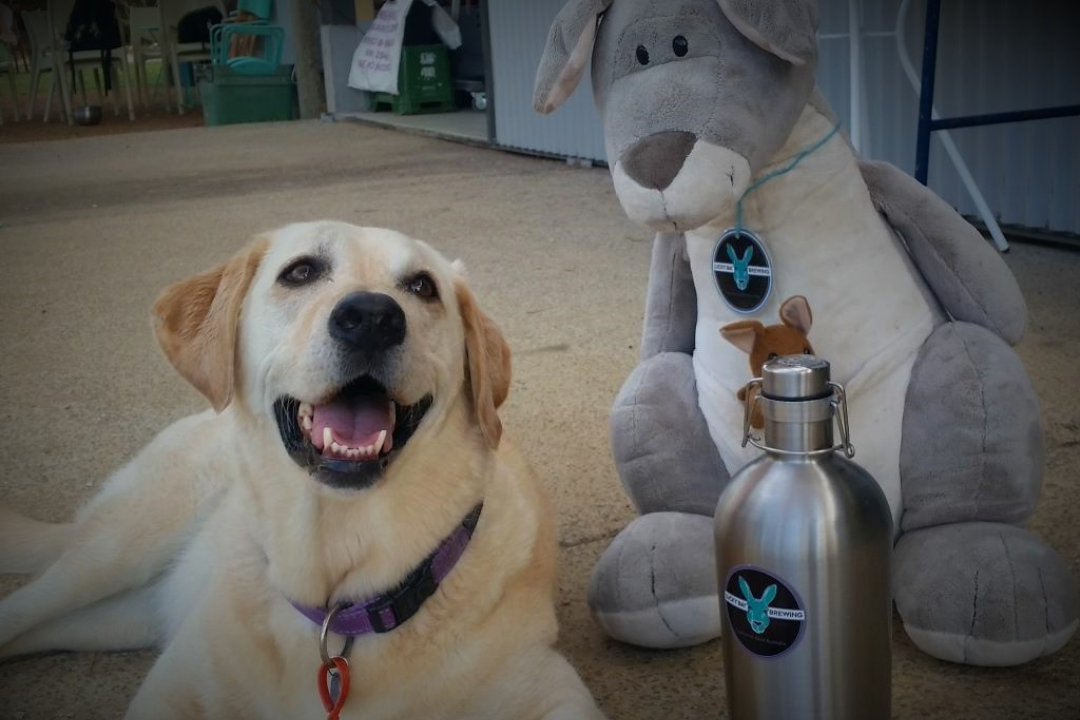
x: 926, y: 93
x: 969, y: 121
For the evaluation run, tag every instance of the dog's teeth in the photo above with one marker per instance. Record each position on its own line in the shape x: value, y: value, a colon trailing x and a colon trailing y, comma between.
x: 339, y: 449
x: 306, y: 410
x: 379, y: 443
x: 327, y: 437
x: 352, y: 452
x: 305, y: 422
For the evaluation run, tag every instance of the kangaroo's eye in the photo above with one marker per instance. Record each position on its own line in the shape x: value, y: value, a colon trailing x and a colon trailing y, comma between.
x: 642, y: 55
x: 680, y: 46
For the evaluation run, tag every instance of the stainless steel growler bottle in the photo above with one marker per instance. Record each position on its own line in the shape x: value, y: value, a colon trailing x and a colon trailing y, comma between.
x: 803, y: 545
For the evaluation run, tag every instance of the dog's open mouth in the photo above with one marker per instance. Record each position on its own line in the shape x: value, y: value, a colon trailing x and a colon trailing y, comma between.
x: 348, y: 440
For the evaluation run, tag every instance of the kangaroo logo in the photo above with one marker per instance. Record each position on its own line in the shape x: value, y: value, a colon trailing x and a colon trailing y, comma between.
x: 757, y: 609
x: 742, y: 266
x: 766, y: 626
x: 743, y: 273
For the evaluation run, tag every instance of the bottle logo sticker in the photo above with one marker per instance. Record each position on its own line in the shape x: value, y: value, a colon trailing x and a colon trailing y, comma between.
x: 764, y: 613
x: 742, y: 270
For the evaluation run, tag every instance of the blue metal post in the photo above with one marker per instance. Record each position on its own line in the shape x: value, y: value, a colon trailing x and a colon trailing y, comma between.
x: 926, y: 93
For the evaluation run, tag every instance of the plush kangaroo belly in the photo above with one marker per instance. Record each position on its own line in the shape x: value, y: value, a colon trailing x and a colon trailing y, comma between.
x: 870, y: 312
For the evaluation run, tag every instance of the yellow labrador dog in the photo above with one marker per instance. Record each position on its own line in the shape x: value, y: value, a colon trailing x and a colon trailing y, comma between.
x: 350, y: 484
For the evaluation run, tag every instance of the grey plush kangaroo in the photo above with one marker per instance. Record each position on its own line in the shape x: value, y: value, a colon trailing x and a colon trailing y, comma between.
x: 705, y: 102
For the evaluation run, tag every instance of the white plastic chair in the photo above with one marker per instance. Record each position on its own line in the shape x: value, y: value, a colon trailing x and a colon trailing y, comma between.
x: 41, y: 59
x: 59, y: 11
x: 171, y: 11
x: 145, y: 38
x: 7, y: 67
x: 7, y: 64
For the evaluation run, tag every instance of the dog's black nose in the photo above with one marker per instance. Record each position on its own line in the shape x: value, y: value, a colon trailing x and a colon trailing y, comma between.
x: 654, y: 161
x: 368, y: 321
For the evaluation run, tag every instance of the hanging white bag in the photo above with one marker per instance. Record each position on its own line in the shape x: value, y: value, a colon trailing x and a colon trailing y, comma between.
x: 377, y: 57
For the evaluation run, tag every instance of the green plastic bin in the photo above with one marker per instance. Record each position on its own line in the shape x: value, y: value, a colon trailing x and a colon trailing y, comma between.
x: 424, y: 82
x: 229, y: 97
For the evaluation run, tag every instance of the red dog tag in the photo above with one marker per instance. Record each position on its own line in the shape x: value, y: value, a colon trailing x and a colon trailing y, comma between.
x: 333, y: 704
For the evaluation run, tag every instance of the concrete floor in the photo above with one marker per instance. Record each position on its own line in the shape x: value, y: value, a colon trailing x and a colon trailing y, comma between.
x: 91, y: 229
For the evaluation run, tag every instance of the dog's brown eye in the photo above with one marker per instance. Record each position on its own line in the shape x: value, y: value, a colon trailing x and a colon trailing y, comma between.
x: 423, y: 286
x: 773, y: 356
x: 300, y: 272
x: 807, y: 351
x: 680, y: 46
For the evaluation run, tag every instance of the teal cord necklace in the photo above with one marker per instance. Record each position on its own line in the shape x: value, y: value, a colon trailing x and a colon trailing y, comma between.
x: 741, y: 264
x: 778, y: 172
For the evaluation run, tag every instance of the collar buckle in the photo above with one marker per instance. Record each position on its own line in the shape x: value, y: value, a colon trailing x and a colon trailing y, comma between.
x: 406, y: 602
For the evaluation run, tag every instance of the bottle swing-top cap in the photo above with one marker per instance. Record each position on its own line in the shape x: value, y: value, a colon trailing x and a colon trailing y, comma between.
x: 799, y: 402
x: 796, y: 377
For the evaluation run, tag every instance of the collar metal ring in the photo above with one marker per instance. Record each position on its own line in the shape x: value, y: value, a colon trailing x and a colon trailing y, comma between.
x: 325, y: 632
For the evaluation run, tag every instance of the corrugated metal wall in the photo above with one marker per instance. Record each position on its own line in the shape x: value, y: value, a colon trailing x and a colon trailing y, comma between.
x: 995, y: 55
x: 518, y: 29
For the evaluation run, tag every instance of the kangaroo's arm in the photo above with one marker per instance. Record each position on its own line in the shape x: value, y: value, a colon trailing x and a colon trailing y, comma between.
x: 671, y: 302
x: 966, y: 274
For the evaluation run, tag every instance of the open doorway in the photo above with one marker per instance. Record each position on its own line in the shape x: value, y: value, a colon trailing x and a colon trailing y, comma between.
x: 465, y: 115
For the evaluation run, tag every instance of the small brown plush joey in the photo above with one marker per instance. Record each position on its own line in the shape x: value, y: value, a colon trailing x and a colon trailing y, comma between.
x: 763, y: 343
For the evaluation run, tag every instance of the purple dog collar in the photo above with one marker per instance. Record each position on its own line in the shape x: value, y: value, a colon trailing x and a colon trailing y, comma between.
x: 385, y: 612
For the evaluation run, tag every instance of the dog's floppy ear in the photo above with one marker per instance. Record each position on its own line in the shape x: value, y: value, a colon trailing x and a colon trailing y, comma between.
x: 785, y: 28
x: 196, y: 323
x: 568, y: 50
x: 487, y: 365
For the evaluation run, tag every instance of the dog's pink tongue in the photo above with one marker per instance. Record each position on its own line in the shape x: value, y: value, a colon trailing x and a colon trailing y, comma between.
x: 354, y: 423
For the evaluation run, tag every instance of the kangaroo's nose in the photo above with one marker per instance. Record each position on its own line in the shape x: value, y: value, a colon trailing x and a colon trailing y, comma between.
x: 654, y: 161
x: 367, y: 321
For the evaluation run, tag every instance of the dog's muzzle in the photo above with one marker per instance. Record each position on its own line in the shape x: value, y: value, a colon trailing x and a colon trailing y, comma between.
x: 348, y: 439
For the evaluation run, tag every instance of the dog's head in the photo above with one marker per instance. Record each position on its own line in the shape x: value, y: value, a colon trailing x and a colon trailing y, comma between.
x: 696, y: 95
x: 350, y: 340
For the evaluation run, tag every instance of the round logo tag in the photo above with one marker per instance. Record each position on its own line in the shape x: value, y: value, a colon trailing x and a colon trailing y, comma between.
x: 764, y: 613
x: 743, y: 270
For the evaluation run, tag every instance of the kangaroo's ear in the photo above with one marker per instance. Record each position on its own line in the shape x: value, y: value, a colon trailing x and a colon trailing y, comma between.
x: 769, y: 595
x: 785, y: 28
x: 567, y: 52
x: 795, y: 313
x: 743, y: 334
x: 745, y: 589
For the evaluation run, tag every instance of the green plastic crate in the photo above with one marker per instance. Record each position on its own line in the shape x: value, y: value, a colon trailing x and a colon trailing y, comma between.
x: 229, y: 97
x: 424, y: 82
